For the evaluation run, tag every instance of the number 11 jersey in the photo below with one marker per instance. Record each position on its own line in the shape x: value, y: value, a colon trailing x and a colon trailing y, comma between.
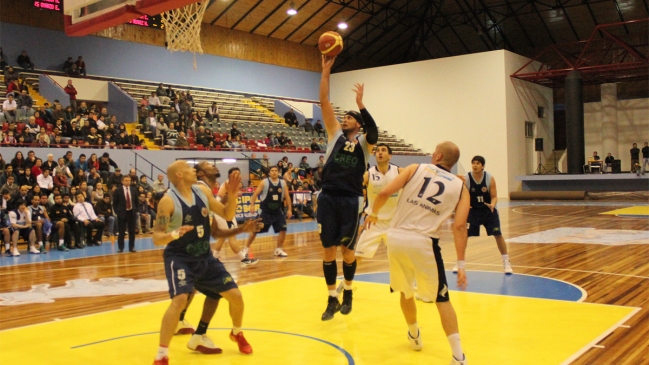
x: 427, y: 200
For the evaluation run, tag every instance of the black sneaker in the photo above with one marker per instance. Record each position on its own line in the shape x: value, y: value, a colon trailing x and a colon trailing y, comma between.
x: 333, y: 306
x: 8, y: 252
x: 346, y: 307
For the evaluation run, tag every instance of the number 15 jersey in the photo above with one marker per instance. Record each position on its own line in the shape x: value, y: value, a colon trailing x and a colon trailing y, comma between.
x: 427, y: 200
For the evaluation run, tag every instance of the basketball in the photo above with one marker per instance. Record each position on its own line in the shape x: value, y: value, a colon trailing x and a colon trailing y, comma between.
x: 330, y: 44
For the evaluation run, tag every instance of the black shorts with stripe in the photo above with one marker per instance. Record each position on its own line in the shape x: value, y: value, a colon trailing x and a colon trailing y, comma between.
x: 338, y: 218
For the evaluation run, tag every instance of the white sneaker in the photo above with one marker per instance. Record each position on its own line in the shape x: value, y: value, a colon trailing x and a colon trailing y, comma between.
x: 15, y: 252
x: 34, y: 250
x: 203, y: 344
x: 280, y: 253
x: 458, y: 362
x: 185, y: 328
x: 455, y: 268
x: 415, y: 343
x: 508, y: 267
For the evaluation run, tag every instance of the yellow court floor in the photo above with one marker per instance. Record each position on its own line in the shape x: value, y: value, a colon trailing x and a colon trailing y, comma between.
x: 633, y: 211
x: 282, y: 323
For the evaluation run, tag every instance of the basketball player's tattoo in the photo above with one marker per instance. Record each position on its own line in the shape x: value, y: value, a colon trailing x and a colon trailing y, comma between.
x: 161, y: 222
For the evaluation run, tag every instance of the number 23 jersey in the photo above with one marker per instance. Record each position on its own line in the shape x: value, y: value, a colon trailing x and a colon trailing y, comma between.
x: 427, y: 200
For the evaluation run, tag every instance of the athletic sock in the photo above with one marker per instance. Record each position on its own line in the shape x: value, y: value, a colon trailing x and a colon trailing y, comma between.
x: 333, y: 293
x: 182, y: 314
x: 456, y: 346
x: 61, y: 242
x: 202, y: 328
x: 163, y: 351
x: 330, y: 270
x: 7, y: 246
x: 413, y: 329
x: 349, y: 270
x: 242, y: 255
x: 236, y: 330
x: 505, y: 258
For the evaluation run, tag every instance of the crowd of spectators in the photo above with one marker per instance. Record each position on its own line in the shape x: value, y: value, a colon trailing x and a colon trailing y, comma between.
x: 63, y: 199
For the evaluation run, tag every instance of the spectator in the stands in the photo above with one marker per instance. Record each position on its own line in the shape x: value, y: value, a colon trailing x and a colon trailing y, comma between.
x: 45, y: 181
x: 62, y: 166
x: 104, y: 166
x: 159, y: 185
x: 68, y: 114
x: 9, y: 107
x: 10, y: 185
x: 41, y: 141
x: 18, y: 161
x: 304, y: 166
x: 81, y: 163
x: 73, y: 71
x: 170, y: 93
x: 31, y: 127
x: 144, y: 102
x: 161, y: 93
x: 213, y: 112
x: 30, y: 160
x: 322, y: 144
x: 124, y: 140
x: 182, y: 140
x: 25, y: 102
x: 104, y: 211
x: 93, y: 162
x: 284, y: 140
x: 134, y: 140
x: 172, y: 135
x: 83, y: 109
x: 85, y: 129
x: 321, y: 162
x: 185, y: 107
x: 25, y: 62
x: 49, y: 164
x: 144, y: 183
x: 314, y: 145
x: 308, y: 127
x: 58, y: 113
x: 154, y: 102
x: 175, y: 105
x: 151, y: 124
x: 28, y: 179
x: 115, y: 179
x: 227, y: 142
x: 202, y: 138
x: 91, y: 138
x: 290, y: 118
x: 608, y: 162
x: 317, y: 178
x: 189, y: 98
x: 101, y: 124
x: 61, y: 181
x: 81, y: 66
x: 13, y: 89
x: 67, y: 65
x: 234, y: 132
x: 236, y: 142
x: 8, y: 171
x: 319, y: 128
x: 72, y: 92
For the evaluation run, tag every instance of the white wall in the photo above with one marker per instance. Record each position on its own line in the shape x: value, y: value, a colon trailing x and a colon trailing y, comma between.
x: 86, y: 89
x: 468, y: 100
x: 633, y: 126
x: 523, y: 100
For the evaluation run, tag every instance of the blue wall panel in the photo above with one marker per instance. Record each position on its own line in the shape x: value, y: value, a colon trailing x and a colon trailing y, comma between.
x: 108, y: 57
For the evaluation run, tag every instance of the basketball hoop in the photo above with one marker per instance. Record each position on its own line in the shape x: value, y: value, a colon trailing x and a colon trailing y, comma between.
x: 183, y: 28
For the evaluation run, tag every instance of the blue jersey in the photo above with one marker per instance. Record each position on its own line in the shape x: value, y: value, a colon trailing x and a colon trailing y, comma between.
x: 195, y: 244
x: 272, y: 197
x: 346, y: 162
x: 479, y: 191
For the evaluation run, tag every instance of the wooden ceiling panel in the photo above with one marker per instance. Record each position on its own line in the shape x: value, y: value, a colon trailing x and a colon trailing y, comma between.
x: 260, y: 12
x: 236, y: 11
x: 331, y: 24
x: 314, y: 23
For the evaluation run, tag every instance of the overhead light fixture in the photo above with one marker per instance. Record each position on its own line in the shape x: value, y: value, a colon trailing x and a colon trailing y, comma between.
x: 291, y: 10
x: 342, y: 25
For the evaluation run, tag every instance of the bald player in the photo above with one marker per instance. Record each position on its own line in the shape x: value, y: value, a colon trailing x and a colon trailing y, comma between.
x: 183, y: 224
x: 431, y: 193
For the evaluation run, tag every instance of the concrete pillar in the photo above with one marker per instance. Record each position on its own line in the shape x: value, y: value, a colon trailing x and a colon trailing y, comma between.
x: 575, y: 123
x: 609, y: 120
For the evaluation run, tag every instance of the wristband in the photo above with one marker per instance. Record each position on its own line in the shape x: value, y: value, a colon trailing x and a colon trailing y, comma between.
x: 175, y: 234
x: 373, y: 215
x: 460, y: 264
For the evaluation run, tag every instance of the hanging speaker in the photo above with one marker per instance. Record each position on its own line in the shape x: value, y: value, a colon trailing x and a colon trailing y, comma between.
x: 541, y: 112
x: 538, y: 145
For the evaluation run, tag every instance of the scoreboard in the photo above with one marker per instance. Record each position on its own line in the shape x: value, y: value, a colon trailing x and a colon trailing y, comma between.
x: 154, y: 21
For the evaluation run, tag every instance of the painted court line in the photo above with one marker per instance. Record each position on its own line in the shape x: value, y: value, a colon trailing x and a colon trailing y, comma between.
x: 599, y: 338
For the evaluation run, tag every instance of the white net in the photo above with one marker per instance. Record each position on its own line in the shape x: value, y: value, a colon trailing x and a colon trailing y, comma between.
x: 183, y: 28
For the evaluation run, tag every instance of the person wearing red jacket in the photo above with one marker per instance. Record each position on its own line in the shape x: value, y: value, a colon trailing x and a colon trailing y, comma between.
x: 70, y: 90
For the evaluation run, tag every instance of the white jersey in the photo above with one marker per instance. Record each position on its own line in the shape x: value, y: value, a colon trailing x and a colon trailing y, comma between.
x: 376, y: 181
x: 20, y: 218
x: 427, y: 200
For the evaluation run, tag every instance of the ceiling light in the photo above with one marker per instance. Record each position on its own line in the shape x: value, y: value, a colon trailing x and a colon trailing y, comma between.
x: 291, y: 10
x: 342, y: 25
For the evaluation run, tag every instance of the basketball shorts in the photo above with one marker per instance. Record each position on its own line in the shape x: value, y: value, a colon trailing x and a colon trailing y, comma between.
x: 370, y: 239
x: 484, y: 217
x: 223, y: 224
x: 22, y: 232
x: 277, y: 221
x: 416, y: 261
x: 208, y: 276
x: 338, y: 218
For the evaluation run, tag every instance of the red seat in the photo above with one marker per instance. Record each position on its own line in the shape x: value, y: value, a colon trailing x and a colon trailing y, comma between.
x: 191, y: 133
x: 20, y: 127
x: 200, y: 147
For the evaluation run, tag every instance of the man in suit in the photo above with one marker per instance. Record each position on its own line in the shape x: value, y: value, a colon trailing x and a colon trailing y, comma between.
x: 124, y: 204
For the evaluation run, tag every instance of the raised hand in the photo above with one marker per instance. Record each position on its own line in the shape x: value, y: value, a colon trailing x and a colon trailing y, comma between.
x: 233, y: 183
x: 359, y: 89
x: 327, y: 62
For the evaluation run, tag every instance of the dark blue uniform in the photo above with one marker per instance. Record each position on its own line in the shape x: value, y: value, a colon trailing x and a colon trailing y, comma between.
x: 480, y: 214
x: 341, y: 200
x: 188, y: 260
x: 272, y: 204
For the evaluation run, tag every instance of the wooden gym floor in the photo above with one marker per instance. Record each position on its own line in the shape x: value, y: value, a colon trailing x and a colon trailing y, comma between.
x: 613, y: 274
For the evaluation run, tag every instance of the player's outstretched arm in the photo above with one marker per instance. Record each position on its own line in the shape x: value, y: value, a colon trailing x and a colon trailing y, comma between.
x: 163, y: 216
x: 371, y: 130
x: 460, y: 234
x: 397, y: 184
x: 331, y: 123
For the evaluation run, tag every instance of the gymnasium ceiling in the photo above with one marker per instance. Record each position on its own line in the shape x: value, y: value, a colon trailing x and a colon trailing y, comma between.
x: 386, y: 32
